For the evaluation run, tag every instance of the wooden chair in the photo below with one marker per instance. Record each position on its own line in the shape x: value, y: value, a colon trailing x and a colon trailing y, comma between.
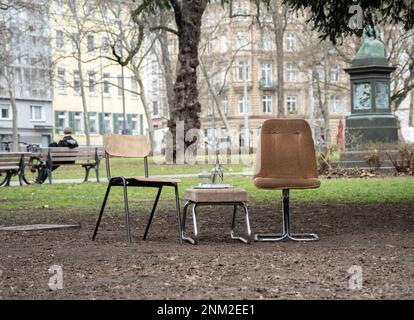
x: 285, y: 160
x: 134, y: 147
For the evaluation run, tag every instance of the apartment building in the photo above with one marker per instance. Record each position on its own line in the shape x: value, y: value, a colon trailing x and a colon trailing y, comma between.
x: 82, y: 32
x: 242, y: 61
x: 25, y: 75
x: 232, y: 46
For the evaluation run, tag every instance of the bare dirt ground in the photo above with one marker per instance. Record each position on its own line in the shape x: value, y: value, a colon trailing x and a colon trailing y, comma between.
x: 379, y: 238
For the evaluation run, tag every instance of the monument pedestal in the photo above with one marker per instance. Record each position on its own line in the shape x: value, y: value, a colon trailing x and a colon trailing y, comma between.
x: 369, y: 129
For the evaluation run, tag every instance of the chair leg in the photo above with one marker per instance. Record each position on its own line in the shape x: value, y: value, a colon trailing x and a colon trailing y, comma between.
x: 152, y: 213
x: 97, y: 173
x: 8, y: 178
x: 87, y: 168
x: 102, y: 211
x: 128, y: 227
x: 195, y: 237
x: 233, y: 223
x: 177, y: 204
x: 286, y: 234
x: 183, y: 236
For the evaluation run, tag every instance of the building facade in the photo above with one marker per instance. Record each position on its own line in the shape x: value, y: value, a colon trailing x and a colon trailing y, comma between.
x: 25, y: 76
x: 86, y: 78
x: 240, y: 60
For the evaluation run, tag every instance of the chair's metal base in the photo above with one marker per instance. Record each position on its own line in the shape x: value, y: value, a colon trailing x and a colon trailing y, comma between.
x: 125, y: 183
x: 193, y: 240
x: 286, y: 234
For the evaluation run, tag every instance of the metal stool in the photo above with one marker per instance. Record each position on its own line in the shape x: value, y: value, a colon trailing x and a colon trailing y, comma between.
x: 212, y: 197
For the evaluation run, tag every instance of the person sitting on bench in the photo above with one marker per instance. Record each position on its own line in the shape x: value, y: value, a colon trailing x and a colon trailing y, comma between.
x: 67, y: 141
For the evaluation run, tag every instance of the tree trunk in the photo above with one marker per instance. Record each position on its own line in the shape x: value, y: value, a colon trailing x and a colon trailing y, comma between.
x: 148, y: 115
x: 323, y: 107
x: 166, y: 63
x: 279, y: 30
x: 215, y: 98
x: 186, y: 106
x: 10, y: 88
x: 84, y: 104
x: 411, y: 113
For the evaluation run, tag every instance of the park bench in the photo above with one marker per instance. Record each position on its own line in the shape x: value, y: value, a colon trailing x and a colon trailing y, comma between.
x: 86, y: 156
x: 11, y: 163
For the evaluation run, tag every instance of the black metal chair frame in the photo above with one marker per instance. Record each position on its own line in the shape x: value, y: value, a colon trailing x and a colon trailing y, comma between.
x: 131, y: 182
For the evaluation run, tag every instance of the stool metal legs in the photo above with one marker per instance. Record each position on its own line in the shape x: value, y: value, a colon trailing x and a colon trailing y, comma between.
x: 233, y: 223
x: 286, y: 234
x: 193, y: 240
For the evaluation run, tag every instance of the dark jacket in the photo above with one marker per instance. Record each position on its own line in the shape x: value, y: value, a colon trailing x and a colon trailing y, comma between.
x: 67, y: 141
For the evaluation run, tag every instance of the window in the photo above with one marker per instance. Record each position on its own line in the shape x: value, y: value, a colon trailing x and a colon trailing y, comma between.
x: 291, y: 72
x: 120, y: 125
x: 241, y: 40
x: 5, y: 113
x: 239, y: 71
x: 61, y: 121
x: 92, y: 82
x: 209, y: 47
x: 225, y: 105
x: 266, y: 42
x: 106, y: 84
x: 240, y: 10
x: 134, y: 124
x: 223, y: 44
x: 291, y: 42
x: 78, y: 122
x: 336, y: 105
x: 91, y: 43
x: 76, y: 81
x: 120, y: 85
x: 61, y: 80
x: 291, y: 104
x: 335, y: 74
x: 155, y: 109
x: 88, y: 8
x: 58, y: 7
x: 36, y: 113
x: 107, y: 122
x: 93, y: 128
x: 104, y: 46
x: 291, y: 15
x: 267, y: 104
x: 75, y: 40
x: 134, y: 87
x: 266, y: 74
x: 209, y: 107
x: 240, y: 103
x: 59, y: 39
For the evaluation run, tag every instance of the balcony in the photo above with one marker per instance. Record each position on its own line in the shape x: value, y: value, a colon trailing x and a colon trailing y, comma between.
x: 267, y: 85
x: 220, y: 87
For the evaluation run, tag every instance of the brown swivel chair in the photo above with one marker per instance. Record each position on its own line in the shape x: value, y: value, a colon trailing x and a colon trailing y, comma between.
x: 285, y: 160
x: 134, y: 147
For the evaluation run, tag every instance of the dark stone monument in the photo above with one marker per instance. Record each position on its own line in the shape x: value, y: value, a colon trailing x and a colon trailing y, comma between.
x: 370, y: 120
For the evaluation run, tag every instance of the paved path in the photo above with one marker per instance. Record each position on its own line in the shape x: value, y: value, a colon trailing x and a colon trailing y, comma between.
x: 183, y: 175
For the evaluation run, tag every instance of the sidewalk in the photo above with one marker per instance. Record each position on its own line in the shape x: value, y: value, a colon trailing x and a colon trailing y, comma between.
x: 103, y: 179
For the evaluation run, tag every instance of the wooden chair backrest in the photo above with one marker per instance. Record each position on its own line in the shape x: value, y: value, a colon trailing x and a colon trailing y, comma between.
x: 126, y: 146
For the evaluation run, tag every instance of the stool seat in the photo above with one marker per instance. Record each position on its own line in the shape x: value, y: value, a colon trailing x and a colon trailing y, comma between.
x: 216, y: 195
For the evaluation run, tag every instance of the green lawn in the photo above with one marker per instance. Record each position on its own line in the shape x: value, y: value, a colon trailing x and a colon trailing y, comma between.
x: 133, y: 167
x: 89, y: 196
